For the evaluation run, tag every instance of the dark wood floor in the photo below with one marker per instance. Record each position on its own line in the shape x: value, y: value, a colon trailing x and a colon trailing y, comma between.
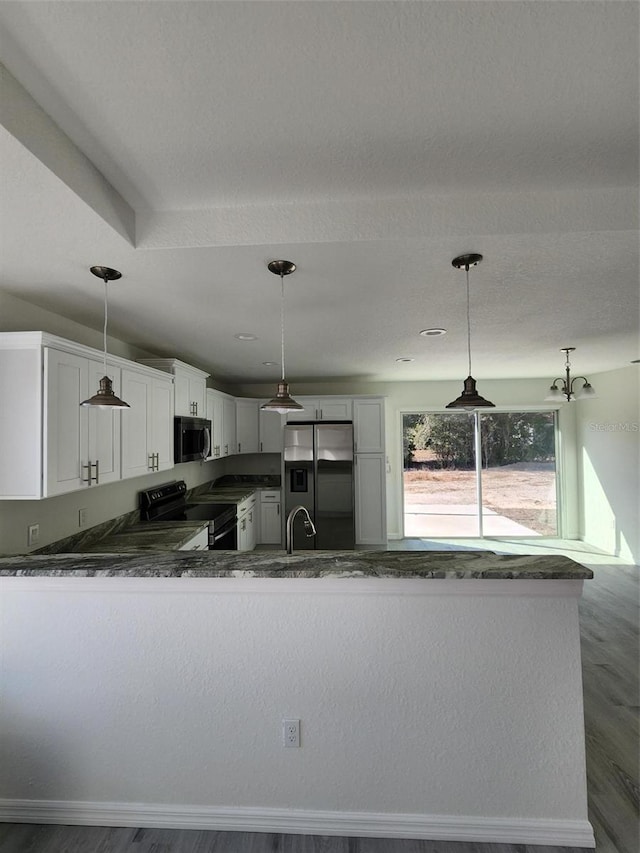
x: 609, y: 631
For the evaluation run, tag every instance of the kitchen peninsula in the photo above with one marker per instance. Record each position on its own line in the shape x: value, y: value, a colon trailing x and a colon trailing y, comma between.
x: 439, y: 694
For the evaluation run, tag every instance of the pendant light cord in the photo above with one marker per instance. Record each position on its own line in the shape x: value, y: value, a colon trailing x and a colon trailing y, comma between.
x: 282, y: 320
x: 468, y: 321
x: 104, y: 330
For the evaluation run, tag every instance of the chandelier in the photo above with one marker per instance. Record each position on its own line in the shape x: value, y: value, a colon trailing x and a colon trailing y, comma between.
x: 556, y: 394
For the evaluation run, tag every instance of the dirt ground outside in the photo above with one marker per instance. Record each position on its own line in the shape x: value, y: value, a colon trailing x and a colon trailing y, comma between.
x: 524, y: 491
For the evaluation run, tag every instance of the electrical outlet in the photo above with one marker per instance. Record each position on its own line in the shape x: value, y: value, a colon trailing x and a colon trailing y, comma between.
x: 33, y: 534
x: 291, y: 733
x: 82, y: 517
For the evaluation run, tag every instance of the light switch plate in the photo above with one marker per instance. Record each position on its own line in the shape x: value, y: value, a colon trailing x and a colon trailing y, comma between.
x: 33, y: 534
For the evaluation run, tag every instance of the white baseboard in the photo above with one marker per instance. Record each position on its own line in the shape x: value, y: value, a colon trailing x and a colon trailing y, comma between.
x: 562, y: 833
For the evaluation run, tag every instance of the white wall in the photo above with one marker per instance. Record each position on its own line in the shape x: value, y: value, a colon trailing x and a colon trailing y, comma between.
x: 608, y: 437
x: 17, y: 315
x: 459, y: 698
x: 423, y: 396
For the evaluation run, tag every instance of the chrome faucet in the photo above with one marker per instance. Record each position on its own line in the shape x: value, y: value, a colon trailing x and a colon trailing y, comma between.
x: 308, y: 525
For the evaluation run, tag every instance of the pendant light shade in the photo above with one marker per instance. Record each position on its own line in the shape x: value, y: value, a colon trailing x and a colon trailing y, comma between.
x: 105, y: 398
x: 469, y: 399
x: 283, y: 402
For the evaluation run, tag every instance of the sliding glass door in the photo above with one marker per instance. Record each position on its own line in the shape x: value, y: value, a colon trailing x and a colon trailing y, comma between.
x: 475, y: 474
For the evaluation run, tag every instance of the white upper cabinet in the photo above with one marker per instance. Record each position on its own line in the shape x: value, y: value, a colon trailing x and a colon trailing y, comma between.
x: 21, y: 420
x: 221, y: 411
x: 270, y: 428
x: 105, y: 426
x: 66, y: 426
x: 247, y: 429
x: 368, y: 425
x: 81, y: 446
x: 190, y: 385
x: 228, y: 425
x: 322, y: 409
x: 214, y: 414
x: 147, y: 434
x: 51, y: 445
x: 335, y: 409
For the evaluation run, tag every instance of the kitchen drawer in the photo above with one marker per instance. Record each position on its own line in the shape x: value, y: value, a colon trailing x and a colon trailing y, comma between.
x: 199, y: 542
x: 246, y: 505
x: 269, y: 496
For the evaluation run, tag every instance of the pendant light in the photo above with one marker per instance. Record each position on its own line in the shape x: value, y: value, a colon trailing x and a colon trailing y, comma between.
x: 556, y: 394
x: 282, y: 402
x: 469, y: 399
x: 105, y: 398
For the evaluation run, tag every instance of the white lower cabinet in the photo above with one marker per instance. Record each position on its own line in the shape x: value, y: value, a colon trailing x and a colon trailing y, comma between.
x: 199, y: 542
x: 270, y: 532
x: 147, y: 432
x: 370, y: 497
x: 247, y: 524
x: 270, y: 524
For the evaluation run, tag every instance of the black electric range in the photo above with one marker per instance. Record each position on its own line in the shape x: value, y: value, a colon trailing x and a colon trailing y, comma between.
x: 168, y: 503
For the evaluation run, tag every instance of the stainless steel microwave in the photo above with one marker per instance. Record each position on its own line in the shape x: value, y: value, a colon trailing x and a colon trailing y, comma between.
x: 191, y: 439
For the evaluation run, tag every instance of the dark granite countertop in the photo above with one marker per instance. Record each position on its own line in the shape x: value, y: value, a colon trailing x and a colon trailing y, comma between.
x: 147, y: 536
x: 233, y: 488
x: 454, y: 565
x: 223, y: 494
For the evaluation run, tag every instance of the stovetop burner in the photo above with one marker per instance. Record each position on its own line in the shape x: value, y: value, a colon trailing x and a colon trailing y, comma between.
x: 167, y: 503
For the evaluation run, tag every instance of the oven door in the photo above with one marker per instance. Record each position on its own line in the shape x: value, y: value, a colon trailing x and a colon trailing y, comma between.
x: 224, y: 537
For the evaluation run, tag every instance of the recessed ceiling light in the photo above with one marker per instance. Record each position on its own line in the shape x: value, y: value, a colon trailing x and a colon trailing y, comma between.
x: 433, y: 333
x: 271, y: 363
x: 245, y: 336
x: 404, y: 360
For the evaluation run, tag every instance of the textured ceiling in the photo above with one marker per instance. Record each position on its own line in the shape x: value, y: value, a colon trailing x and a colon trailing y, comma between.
x: 368, y: 142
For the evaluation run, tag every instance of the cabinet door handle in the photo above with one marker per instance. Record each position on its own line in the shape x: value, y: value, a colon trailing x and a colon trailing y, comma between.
x: 226, y: 450
x: 90, y: 478
x: 320, y: 418
x: 97, y: 472
x: 278, y: 508
x: 250, y: 518
x: 239, y: 448
x: 260, y: 447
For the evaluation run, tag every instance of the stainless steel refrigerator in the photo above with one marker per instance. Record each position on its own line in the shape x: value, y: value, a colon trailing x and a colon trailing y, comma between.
x: 318, y: 474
